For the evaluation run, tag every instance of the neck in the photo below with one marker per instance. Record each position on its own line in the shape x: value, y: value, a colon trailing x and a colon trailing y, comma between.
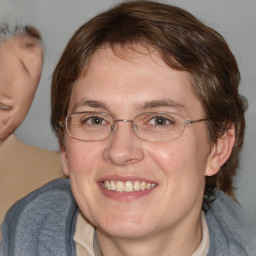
x: 178, y: 241
x: 8, y: 140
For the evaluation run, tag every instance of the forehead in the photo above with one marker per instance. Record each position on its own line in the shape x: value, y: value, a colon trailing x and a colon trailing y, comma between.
x: 20, y: 43
x: 132, y: 76
x: 22, y: 56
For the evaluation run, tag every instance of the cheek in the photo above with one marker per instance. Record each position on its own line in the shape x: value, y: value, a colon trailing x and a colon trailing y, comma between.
x: 29, y: 92
x: 168, y: 157
x: 22, y: 109
x: 33, y: 59
x: 81, y: 161
x: 82, y: 157
x: 24, y: 93
x: 180, y: 162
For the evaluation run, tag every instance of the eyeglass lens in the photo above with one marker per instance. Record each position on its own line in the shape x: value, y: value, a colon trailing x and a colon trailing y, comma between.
x: 90, y: 126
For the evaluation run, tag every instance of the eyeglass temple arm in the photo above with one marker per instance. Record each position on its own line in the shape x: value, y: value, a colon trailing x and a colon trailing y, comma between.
x: 195, y: 121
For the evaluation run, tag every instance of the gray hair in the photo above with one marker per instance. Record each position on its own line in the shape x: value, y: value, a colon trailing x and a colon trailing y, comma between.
x: 9, y: 31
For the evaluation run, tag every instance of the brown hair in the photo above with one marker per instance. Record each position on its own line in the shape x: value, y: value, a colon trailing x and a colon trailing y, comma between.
x: 184, y: 43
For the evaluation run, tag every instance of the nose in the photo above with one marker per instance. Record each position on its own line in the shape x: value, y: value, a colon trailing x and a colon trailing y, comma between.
x: 123, y: 146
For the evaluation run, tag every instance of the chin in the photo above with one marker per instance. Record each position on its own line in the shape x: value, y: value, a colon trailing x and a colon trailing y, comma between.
x: 126, y: 226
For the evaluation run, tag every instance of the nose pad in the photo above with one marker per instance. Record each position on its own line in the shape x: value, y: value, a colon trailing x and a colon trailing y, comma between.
x: 113, y: 127
x: 134, y: 126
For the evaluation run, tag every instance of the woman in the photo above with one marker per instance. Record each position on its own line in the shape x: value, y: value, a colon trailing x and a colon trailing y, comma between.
x: 150, y: 124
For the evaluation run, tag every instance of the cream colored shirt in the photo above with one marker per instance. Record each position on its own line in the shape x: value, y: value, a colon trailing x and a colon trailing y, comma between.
x: 84, y: 236
x: 203, y: 247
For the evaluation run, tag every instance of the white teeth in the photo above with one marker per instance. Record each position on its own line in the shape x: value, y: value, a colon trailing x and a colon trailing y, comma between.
x: 120, y: 186
x: 136, y: 186
x: 112, y: 185
x: 148, y: 186
x: 127, y: 186
x: 107, y: 185
x: 143, y: 185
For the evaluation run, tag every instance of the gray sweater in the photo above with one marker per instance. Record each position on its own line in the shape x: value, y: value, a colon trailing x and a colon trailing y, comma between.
x: 43, y: 224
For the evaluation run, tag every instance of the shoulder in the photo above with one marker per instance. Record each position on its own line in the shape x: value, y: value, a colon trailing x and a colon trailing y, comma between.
x: 27, y: 154
x: 232, y: 232
x: 41, y: 223
x: 24, y: 168
x: 21, y: 159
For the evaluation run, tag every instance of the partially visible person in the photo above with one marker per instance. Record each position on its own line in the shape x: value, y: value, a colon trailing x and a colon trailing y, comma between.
x: 23, y: 168
x: 21, y: 61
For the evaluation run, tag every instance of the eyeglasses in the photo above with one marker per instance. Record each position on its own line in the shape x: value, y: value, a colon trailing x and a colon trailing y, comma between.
x: 150, y: 126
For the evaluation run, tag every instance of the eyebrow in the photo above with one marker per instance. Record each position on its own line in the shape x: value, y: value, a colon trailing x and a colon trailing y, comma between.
x: 90, y: 103
x: 144, y: 106
x: 161, y: 103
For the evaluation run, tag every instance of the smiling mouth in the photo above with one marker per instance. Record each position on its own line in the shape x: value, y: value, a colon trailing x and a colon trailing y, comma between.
x: 4, y: 107
x: 128, y: 186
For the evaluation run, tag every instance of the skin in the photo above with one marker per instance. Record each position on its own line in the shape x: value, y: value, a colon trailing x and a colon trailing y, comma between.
x: 21, y: 60
x: 166, y: 221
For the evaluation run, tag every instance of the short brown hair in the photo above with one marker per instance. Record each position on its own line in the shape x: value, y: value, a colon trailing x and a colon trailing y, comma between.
x: 184, y: 43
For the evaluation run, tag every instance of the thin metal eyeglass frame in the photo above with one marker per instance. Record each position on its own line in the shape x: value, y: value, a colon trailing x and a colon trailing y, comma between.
x: 134, y: 126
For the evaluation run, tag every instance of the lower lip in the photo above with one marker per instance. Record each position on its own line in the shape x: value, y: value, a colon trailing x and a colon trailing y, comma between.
x: 125, y: 196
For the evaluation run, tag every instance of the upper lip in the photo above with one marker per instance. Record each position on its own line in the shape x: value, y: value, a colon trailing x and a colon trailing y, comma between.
x: 4, y: 106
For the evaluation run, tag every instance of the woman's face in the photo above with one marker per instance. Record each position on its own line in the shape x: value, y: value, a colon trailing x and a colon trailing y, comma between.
x: 125, y: 87
x: 21, y: 60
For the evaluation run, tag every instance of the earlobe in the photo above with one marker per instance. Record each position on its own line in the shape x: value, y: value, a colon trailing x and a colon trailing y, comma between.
x: 64, y: 162
x: 220, y: 152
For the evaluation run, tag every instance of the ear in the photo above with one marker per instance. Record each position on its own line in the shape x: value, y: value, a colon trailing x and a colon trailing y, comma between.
x: 64, y: 162
x: 220, y: 151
